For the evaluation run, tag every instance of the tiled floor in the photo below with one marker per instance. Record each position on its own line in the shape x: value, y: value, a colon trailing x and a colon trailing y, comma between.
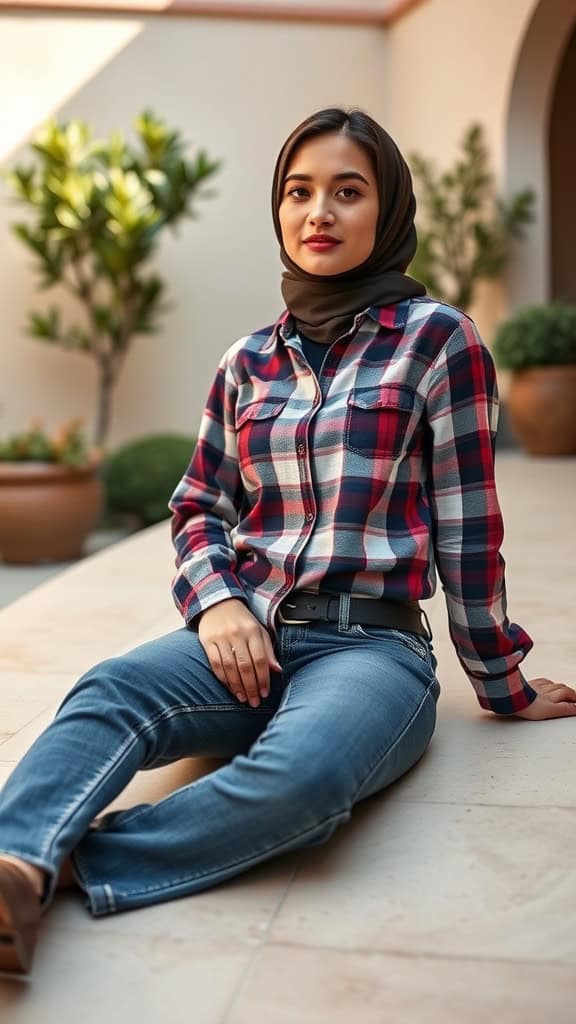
x: 16, y: 580
x: 449, y: 898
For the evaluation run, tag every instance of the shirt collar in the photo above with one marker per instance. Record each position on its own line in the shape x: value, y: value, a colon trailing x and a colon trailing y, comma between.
x: 392, y: 318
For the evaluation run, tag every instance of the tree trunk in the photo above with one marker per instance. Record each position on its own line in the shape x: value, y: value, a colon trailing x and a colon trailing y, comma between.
x: 105, y: 385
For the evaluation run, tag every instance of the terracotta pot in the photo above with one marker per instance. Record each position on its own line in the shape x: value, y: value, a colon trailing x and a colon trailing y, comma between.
x: 542, y: 407
x: 47, y: 511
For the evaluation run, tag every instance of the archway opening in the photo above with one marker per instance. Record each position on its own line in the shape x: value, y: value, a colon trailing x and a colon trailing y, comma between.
x: 561, y: 162
x: 537, y: 151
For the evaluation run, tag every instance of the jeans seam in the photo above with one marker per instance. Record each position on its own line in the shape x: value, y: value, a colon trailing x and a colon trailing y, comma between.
x: 397, y: 636
x: 334, y: 816
x: 379, y: 760
x: 215, y: 870
x: 100, y: 778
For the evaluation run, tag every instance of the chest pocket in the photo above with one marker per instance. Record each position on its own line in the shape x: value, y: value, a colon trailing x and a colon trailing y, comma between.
x: 254, y: 425
x: 377, y: 420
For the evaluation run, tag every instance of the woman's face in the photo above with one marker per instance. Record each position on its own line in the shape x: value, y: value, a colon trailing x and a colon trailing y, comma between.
x: 329, y: 191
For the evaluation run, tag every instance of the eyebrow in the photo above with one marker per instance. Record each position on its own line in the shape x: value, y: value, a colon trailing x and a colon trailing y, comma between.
x: 342, y: 176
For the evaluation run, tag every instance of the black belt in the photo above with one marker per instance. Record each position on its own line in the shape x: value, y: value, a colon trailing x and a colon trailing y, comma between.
x: 369, y: 611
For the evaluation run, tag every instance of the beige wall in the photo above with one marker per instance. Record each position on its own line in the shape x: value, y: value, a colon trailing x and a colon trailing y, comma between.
x: 451, y: 62
x: 235, y: 88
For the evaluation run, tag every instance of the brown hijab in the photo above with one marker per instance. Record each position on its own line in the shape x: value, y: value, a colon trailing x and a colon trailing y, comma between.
x: 324, y: 307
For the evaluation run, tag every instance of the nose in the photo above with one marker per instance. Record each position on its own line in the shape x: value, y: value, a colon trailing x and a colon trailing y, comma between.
x: 321, y: 212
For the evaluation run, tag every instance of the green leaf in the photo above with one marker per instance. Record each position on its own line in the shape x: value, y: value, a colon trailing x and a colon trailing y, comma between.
x: 465, y: 231
x: 45, y: 326
x: 97, y: 211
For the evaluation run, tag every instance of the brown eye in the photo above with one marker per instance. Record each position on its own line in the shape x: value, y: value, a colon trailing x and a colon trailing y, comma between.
x: 352, y: 192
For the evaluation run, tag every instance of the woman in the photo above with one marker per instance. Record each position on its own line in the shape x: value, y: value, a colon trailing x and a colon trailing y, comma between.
x: 343, y: 452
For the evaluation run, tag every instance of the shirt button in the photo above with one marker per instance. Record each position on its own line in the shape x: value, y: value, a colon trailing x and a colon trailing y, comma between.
x: 309, y: 516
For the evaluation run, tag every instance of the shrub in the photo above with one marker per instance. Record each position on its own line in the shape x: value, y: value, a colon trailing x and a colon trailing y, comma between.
x: 543, y: 335
x: 140, y: 477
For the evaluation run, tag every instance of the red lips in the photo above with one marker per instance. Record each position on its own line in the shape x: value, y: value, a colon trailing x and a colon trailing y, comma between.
x: 322, y: 238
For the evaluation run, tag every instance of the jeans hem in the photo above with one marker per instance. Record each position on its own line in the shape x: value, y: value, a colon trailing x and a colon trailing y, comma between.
x: 101, y: 899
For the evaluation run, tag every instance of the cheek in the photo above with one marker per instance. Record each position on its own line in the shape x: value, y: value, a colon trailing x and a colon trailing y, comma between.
x: 366, y: 235
x: 287, y: 227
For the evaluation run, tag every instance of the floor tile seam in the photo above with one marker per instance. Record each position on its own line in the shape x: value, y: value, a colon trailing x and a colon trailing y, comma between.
x: 249, y: 967
x: 15, y: 735
x: 481, y: 803
x: 96, y: 927
x: 26, y: 724
x: 43, y: 673
x: 420, y: 955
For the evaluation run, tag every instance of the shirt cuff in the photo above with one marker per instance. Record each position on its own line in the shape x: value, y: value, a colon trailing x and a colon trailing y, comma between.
x: 507, y: 695
x: 213, y: 589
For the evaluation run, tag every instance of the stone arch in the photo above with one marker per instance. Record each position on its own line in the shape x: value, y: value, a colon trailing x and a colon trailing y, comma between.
x: 534, y: 81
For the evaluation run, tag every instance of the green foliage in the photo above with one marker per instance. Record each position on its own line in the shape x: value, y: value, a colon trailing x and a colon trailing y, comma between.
x: 466, y: 232
x: 67, y: 446
x: 140, y: 477
x: 99, y: 208
x: 537, y: 336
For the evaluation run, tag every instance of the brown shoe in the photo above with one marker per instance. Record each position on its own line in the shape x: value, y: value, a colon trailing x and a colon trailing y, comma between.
x: 20, y: 914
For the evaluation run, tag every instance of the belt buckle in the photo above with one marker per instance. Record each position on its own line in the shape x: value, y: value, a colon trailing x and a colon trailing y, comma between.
x: 310, y: 605
x: 296, y: 618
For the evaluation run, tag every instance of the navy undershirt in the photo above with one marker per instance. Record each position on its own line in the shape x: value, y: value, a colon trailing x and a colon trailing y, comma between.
x: 314, y: 352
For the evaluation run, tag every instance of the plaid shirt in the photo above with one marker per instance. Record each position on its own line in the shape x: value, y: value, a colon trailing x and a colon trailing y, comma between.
x: 365, y: 480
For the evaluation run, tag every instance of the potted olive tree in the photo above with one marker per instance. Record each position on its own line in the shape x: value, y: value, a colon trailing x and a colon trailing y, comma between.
x: 538, y: 345
x: 466, y: 231
x: 97, y: 211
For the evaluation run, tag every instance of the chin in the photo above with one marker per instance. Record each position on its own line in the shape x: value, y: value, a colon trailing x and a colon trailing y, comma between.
x: 321, y: 266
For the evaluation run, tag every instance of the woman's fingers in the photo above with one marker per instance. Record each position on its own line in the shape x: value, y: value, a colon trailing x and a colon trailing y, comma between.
x: 543, y: 708
x: 246, y: 673
x: 561, y: 708
x: 226, y: 674
x: 556, y: 691
x: 562, y: 693
x: 554, y: 700
x: 239, y: 649
x: 247, y: 668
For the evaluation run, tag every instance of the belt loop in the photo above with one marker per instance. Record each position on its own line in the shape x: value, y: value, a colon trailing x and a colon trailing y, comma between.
x: 343, y: 612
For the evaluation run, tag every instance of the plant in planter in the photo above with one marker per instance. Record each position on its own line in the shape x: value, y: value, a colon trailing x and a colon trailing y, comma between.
x: 465, y: 233
x: 99, y: 210
x: 50, y: 494
x: 538, y: 345
x: 140, y: 477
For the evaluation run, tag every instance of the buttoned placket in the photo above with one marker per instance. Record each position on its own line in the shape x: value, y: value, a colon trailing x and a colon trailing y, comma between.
x: 302, y: 449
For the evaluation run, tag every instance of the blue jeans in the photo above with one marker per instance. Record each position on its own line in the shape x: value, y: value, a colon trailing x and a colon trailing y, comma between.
x: 353, y: 709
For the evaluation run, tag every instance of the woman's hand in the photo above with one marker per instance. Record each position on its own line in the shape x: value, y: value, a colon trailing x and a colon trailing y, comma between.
x: 554, y: 700
x: 239, y: 649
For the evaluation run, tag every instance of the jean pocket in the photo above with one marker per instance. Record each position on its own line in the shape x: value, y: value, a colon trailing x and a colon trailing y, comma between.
x: 412, y: 641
